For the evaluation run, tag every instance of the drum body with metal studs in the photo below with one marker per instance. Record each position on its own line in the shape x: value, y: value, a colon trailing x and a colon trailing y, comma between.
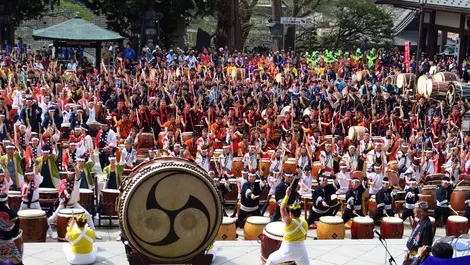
x: 108, y: 202
x: 34, y: 225
x: 271, y: 240
x: 228, y: 229
x: 63, y: 220
x: 86, y: 200
x: 331, y: 227
x: 456, y: 226
x: 392, y: 227
x: 14, y: 200
x: 362, y: 228
x: 254, y: 226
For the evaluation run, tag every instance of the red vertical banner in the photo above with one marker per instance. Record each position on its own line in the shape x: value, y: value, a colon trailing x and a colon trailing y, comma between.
x: 407, y: 56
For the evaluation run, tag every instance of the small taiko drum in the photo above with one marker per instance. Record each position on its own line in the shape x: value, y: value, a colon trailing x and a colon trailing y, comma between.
x: 186, y: 136
x: 456, y: 225
x: 264, y: 167
x: 63, y: 219
x: 271, y: 240
x: 217, y: 152
x: 372, y: 205
x: 392, y: 227
x: 290, y: 165
x: 93, y: 128
x: 357, y: 174
x: 65, y: 131
x: 362, y: 228
x: 316, y: 167
x: 254, y: 227
x: 431, y: 200
x: 272, y: 206
x: 34, y: 225
x: 86, y: 200
x: 331, y: 227
x: 392, y: 166
x: 457, y: 199
x: 19, y: 243
x: 146, y: 140
x: 433, y: 222
x: 232, y: 196
x: 108, y: 203
x: 237, y: 166
x: 228, y: 230
x: 14, y: 200
x: 48, y: 199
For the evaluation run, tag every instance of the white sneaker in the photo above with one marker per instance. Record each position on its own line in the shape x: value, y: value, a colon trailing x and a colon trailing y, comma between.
x: 98, y: 237
x: 118, y: 238
x: 51, y: 234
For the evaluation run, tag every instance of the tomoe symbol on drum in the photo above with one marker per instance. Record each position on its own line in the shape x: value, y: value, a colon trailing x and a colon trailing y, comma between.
x: 172, y: 236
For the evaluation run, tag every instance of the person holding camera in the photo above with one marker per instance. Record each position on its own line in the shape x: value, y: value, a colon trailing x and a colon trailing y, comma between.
x: 439, y: 250
x: 422, y: 233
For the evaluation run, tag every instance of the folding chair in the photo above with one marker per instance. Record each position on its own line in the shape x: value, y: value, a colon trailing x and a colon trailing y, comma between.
x: 462, y: 245
x: 445, y: 239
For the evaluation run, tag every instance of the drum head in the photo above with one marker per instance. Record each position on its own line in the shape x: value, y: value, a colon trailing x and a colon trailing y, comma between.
x: 14, y: 193
x: 85, y: 191
x: 363, y: 220
x: 331, y: 220
x: 258, y: 220
x: 228, y: 221
x: 458, y: 219
x: 31, y: 213
x: 70, y: 212
x: 392, y: 220
x: 275, y: 230
x: 171, y: 211
x: 47, y: 190
x: 110, y: 191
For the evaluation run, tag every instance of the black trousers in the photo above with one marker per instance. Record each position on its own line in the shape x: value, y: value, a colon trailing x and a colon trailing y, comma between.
x: 443, y: 212
x: 407, y: 213
x: 379, y: 215
x: 348, y: 214
x: 104, y: 161
x: 243, y: 215
x: 313, y: 216
x: 277, y: 214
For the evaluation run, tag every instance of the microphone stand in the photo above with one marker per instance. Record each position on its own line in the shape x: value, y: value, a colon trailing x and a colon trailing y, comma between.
x: 391, y: 260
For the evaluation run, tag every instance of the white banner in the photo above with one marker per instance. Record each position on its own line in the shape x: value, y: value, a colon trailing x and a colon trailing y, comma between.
x: 293, y: 20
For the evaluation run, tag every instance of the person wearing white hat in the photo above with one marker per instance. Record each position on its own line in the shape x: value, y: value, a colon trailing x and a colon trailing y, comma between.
x: 69, y: 197
x: 113, y: 173
x: 321, y: 198
x: 427, y: 163
x: 344, y: 178
x: 443, y: 207
x: 11, y: 162
x: 250, y: 160
x: 412, y: 172
x: 177, y: 151
x: 5, y: 181
x: 106, y: 141
x: 326, y: 159
x: 375, y: 179
x: 69, y: 158
x: 384, y: 199
x: 128, y: 155
x: 249, y: 202
x: 350, y: 159
x: 226, y: 160
x: 86, y: 168
x: 22, y: 137
x: 376, y: 156
x: 203, y: 159
x: 411, y: 197
x: 33, y: 151
x: 304, y: 168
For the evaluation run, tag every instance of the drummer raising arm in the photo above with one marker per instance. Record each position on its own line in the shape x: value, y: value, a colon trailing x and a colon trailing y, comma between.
x: 292, y: 247
x: 5, y: 181
x: 354, y: 199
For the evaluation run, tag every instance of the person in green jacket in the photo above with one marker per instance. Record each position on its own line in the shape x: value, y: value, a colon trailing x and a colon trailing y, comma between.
x: 85, y: 172
x: 113, y: 173
x: 47, y: 167
x: 11, y: 162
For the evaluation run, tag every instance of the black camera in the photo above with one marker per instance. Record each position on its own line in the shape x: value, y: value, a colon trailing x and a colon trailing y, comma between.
x: 429, y: 249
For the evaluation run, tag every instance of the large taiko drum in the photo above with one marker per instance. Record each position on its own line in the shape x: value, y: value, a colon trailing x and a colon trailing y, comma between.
x: 14, y: 200
x: 331, y: 227
x: 271, y: 240
x: 34, y: 225
x: 93, y: 128
x: 433, y: 222
x: 456, y: 225
x: 48, y: 199
x: 431, y: 200
x: 227, y: 230
x: 445, y: 77
x: 86, y: 200
x: 406, y: 80
x: 188, y: 220
x: 19, y: 243
x: 422, y: 84
x: 362, y: 228
x: 355, y: 133
x: 264, y: 167
x: 316, y: 167
x: 63, y: 218
x: 392, y: 227
x: 108, y: 202
x: 457, y: 199
x: 237, y: 166
x: 372, y: 205
x: 254, y: 226
x: 290, y: 165
x: 146, y: 140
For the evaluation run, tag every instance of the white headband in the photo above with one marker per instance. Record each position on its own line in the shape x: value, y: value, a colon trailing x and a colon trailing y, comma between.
x: 4, y: 199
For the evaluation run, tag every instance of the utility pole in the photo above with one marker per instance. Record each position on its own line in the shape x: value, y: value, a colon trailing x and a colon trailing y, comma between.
x: 277, y: 38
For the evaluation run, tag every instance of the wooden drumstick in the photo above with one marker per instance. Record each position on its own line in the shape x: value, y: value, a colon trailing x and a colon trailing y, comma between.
x: 424, y: 195
x: 386, y: 214
x: 460, y: 182
x: 456, y: 213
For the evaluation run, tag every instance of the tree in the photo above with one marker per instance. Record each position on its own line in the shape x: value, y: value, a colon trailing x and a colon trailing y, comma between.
x: 355, y: 22
x: 21, y: 10
x: 124, y: 16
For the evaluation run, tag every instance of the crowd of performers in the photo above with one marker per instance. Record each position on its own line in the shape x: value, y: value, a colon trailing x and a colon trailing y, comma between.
x: 230, y: 113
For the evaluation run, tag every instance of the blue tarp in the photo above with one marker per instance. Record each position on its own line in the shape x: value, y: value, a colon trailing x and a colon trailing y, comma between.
x: 453, y: 261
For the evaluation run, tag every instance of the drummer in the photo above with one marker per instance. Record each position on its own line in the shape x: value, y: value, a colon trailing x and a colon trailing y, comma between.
x: 69, y: 196
x: 47, y: 167
x: 177, y: 151
x: 12, y: 162
x: 326, y: 159
x: 376, y: 156
x: 320, y: 198
x: 226, y: 160
x: 344, y: 178
x: 86, y: 169
x: 70, y: 155
x: 250, y: 160
x: 249, y: 202
x: 427, y: 163
x: 33, y: 151
x: 412, y: 172
x: 443, y: 201
x: 351, y: 159
x: 204, y: 160
x: 30, y: 194
x: 411, y: 197
x: 113, y: 173
x: 128, y: 155
x: 384, y: 201
x: 240, y: 182
x: 422, y: 233
x: 106, y: 142
x: 10, y: 224
x: 5, y: 181
x: 280, y: 193
x: 354, y: 199
x: 375, y: 179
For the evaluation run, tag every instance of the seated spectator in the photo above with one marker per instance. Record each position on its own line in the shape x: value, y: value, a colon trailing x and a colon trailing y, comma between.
x: 440, y: 250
